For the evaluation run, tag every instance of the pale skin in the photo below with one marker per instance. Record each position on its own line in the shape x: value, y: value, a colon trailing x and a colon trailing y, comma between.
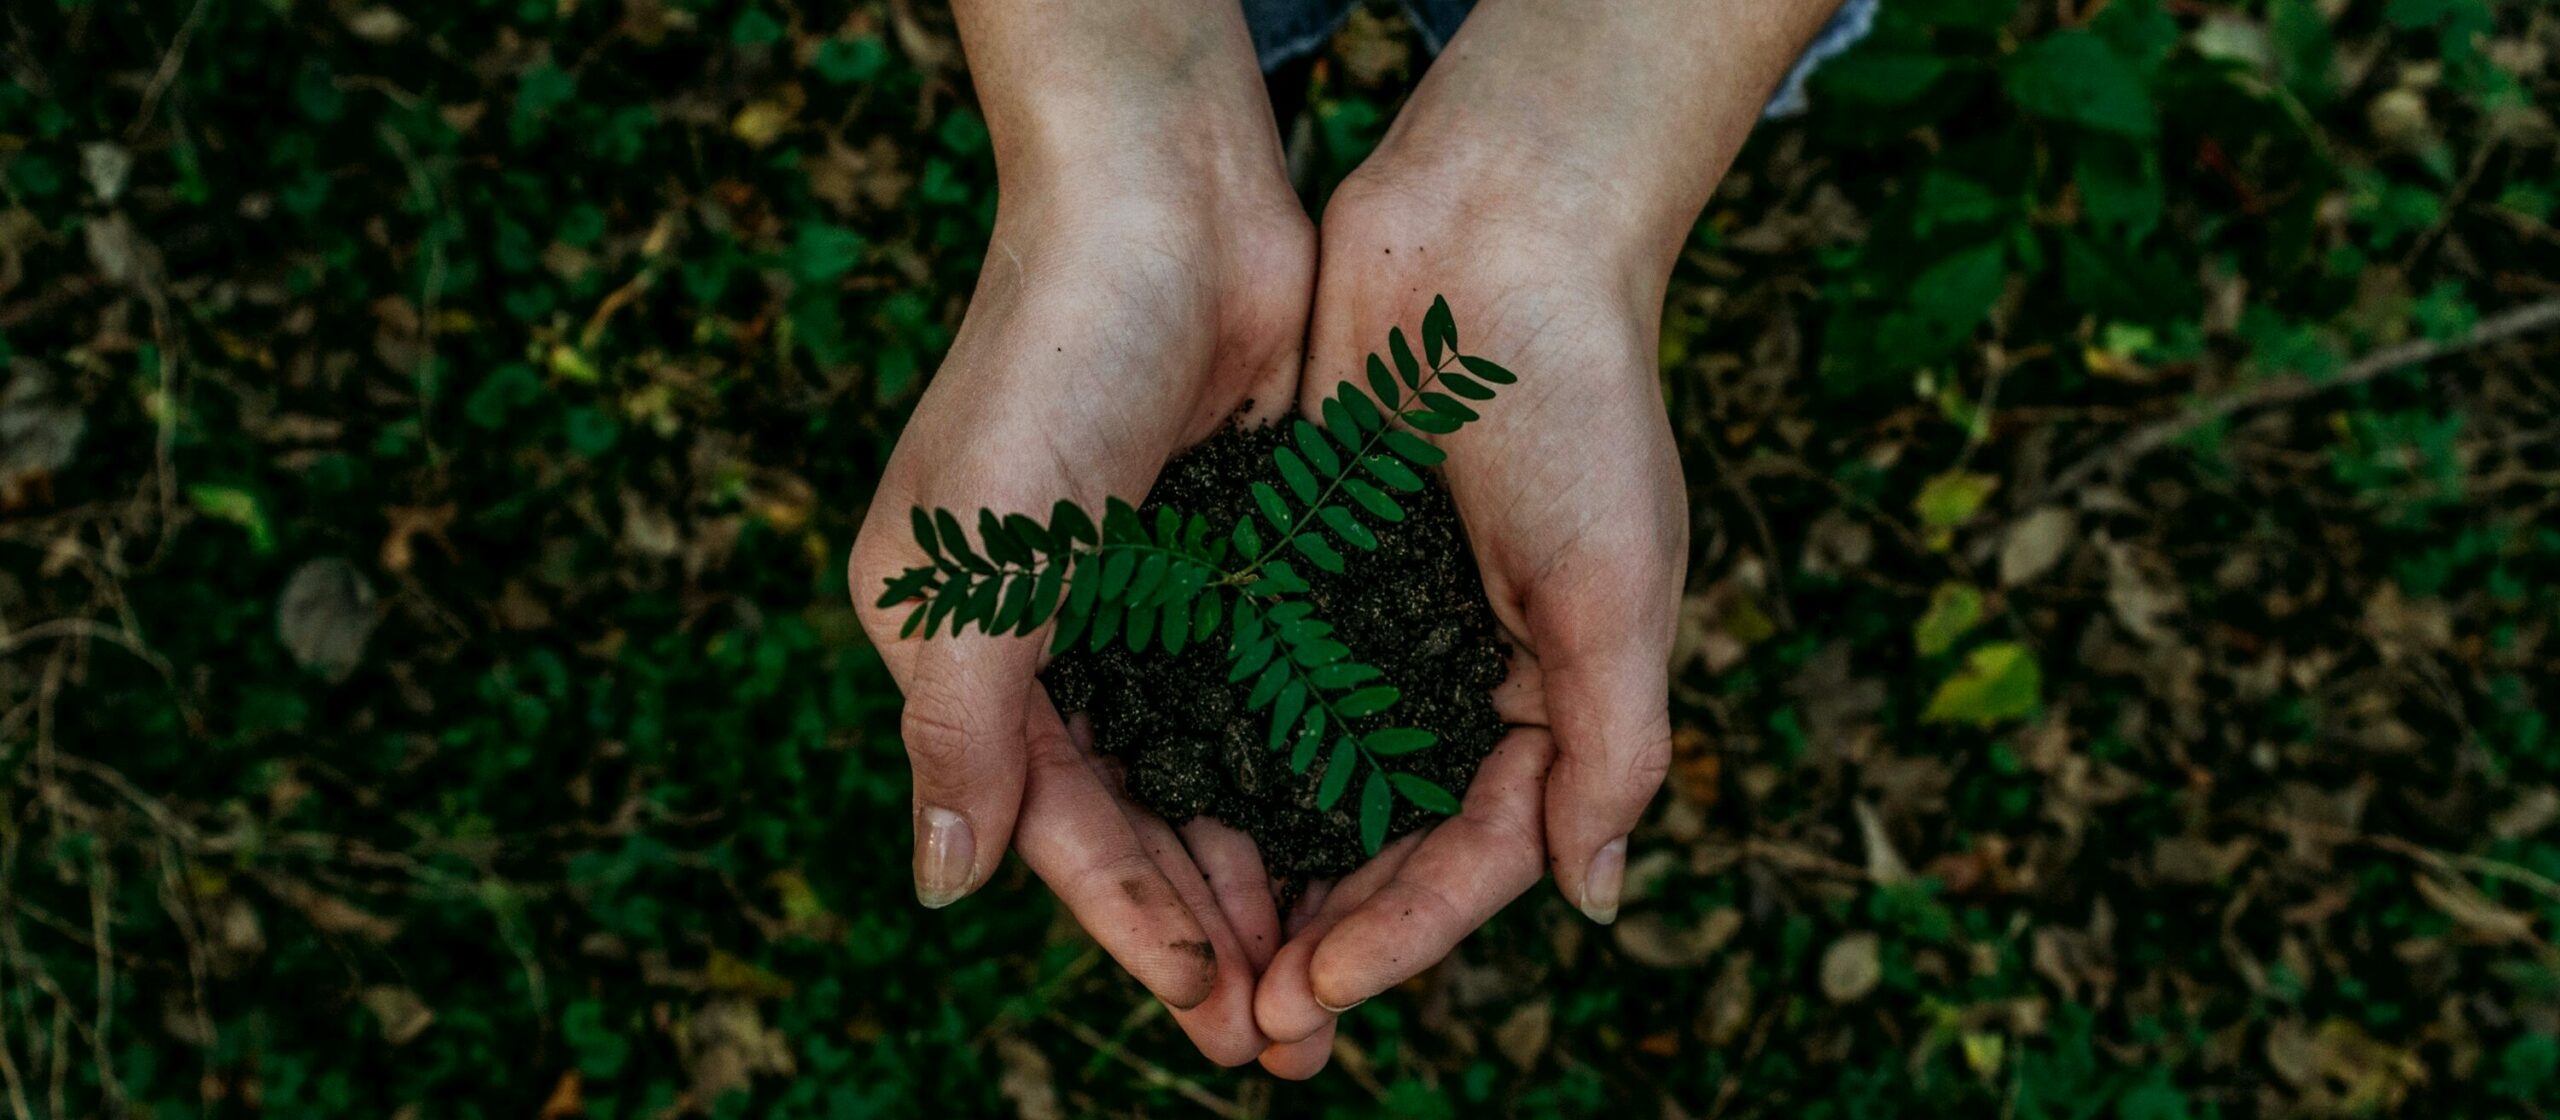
x: 1542, y: 177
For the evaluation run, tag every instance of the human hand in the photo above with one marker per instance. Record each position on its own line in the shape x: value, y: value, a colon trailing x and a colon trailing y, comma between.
x: 1572, y: 497
x: 1543, y: 177
x: 1146, y: 282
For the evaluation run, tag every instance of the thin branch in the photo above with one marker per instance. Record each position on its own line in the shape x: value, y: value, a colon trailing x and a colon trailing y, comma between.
x: 166, y: 73
x: 2531, y: 318
x: 1155, y: 1075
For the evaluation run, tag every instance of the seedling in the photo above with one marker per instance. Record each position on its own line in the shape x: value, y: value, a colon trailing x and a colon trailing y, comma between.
x: 1184, y: 581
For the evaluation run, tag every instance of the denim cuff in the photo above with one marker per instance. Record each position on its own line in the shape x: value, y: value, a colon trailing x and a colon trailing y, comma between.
x: 1285, y: 31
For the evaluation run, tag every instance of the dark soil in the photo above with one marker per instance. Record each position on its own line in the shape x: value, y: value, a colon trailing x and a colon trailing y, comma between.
x: 1415, y: 608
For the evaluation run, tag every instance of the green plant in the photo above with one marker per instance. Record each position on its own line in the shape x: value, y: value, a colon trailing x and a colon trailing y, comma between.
x: 1184, y: 581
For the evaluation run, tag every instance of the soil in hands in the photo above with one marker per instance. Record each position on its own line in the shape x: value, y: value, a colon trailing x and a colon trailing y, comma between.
x: 1415, y: 608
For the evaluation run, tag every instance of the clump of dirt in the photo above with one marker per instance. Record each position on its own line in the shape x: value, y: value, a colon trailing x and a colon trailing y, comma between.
x: 1415, y: 608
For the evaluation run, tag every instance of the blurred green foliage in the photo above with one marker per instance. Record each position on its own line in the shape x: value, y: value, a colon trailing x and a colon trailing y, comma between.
x: 578, y: 331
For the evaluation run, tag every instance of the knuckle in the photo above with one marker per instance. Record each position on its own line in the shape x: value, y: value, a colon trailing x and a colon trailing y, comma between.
x: 936, y: 733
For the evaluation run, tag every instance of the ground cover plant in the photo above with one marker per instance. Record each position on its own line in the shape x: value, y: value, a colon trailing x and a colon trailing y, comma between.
x: 2114, y: 681
x: 1174, y: 577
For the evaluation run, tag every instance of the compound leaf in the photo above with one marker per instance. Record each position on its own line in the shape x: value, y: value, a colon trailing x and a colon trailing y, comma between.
x: 1414, y: 449
x: 1406, y: 367
x: 1348, y: 528
x: 1375, y: 803
x: 1374, y: 500
x: 1069, y: 522
x: 1284, y: 714
x: 1293, y: 470
x: 1398, y: 741
x: 1393, y: 473
x: 1337, y: 774
x: 1315, y: 550
x: 1439, y: 330
x: 1487, y: 370
x: 1273, y: 508
x: 1382, y: 383
x: 1426, y: 793
x: 1368, y: 701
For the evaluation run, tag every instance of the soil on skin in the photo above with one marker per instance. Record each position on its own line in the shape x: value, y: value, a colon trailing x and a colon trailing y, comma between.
x: 1415, y: 608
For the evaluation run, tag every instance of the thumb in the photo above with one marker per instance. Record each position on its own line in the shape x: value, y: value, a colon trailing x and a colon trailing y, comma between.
x: 967, y: 697
x: 966, y: 700
x: 1608, y: 698
x: 963, y: 730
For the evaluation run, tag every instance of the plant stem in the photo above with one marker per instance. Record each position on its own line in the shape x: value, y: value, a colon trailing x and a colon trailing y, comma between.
x: 1368, y: 447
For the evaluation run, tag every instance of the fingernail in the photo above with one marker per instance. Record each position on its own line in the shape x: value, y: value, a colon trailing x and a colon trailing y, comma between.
x: 946, y: 853
x: 1345, y: 1007
x: 1604, y: 881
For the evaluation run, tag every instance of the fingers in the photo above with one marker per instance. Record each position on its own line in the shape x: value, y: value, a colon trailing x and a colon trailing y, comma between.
x: 1221, y: 1025
x: 1231, y: 864
x: 1469, y: 867
x: 1300, y: 1060
x: 1078, y: 841
x: 1285, y: 1004
x: 967, y: 702
x: 1610, y: 711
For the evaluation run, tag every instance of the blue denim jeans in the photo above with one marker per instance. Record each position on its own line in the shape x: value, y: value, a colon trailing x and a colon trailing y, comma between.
x: 1287, y: 30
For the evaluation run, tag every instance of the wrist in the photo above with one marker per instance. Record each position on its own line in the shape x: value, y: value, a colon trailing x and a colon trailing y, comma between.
x: 1503, y: 215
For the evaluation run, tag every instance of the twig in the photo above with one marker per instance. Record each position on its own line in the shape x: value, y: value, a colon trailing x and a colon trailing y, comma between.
x: 19, y: 1106
x: 1759, y: 525
x: 167, y: 73
x: 2450, y: 863
x: 1155, y: 1075
x: 2525, y: 320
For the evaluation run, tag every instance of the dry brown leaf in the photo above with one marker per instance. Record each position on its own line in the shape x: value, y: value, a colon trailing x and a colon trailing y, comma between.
x: 1652, y: 940
x: 1729, y: 1001
x: 2475, y: 911
x: 568, y: 1099
x: 2143, y: 593
x: 2035, y: 544
x: 1522, y: 1037
x: 1852, y: 967
x: 1884, y: 863
x: 402, y: 1014
x: 326, y: 615
x: 1027, y: 1080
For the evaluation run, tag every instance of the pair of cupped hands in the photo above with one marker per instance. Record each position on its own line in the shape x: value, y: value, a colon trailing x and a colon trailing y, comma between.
x: 1131, y: 304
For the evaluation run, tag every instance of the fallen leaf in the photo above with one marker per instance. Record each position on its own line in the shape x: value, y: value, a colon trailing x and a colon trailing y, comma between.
x: 1729, y: 1002
x: 1697, y: 768
x: 729, y: 972
x: 1953, y: 609
x: 1651, y: 939
x: 1884, y: 864
x: 105, y: 164
x: 39, y: 432
x: 725, y: 1044
x: 401, y: 1013
x: 1951, y: 499
x: 1984, y: 1051
x: 1999, y: 682
x: 1852, y: 967
x: 326, y: 615
x: 567, y: 1101
x: 2142, y: 593
x: 377, y: 24
x: 123, y: 258
x: 2474, y: 911
x: 2195, y: 861
x: 2035, y: 544
x: 1027, y: 1080
x: 760, y: 123
x: 1523, y: 1036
